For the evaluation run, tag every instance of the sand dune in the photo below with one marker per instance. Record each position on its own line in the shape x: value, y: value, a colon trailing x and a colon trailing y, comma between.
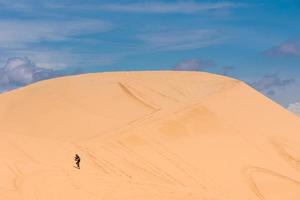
x: 147, y: 135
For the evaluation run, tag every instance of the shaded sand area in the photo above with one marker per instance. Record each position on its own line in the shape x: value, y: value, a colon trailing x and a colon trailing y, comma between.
x: 147, y: 135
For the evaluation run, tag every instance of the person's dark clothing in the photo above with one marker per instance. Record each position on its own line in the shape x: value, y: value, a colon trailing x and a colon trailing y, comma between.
x: 77, y: 159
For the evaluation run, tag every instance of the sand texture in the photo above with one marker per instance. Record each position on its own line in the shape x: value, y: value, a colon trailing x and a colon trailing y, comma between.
x: 147, y: 136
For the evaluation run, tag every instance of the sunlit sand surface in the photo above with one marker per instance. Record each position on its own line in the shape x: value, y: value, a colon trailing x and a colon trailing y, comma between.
x: 147, y: 135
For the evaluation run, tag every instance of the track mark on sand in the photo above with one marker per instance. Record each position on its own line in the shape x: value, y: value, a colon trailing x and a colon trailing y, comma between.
x: 142, y: 165
x: 159, y: 93
x: 138, y: 96
x: 159, y: 172
x: 289, y: 154
x: 270, y: 185
x: 17, y: 182
x: 179, y: 163
x: 106, y: 166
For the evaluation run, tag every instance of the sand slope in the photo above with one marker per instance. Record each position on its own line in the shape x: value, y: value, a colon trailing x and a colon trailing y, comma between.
x: 147, y: 135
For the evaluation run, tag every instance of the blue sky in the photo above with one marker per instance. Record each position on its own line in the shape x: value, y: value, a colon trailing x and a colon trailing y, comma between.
x: 255, y: 41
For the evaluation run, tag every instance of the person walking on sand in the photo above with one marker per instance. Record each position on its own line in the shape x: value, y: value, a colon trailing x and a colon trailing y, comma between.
x: 77, y: 160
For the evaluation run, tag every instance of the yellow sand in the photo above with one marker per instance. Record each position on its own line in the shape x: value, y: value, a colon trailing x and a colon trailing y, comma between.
x: 147, y: 135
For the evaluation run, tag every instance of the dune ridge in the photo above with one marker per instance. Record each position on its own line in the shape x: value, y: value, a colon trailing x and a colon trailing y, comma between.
x: 147, y: 135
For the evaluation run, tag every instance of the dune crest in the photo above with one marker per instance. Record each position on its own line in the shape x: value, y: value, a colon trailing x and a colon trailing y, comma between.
x: 147, y: 135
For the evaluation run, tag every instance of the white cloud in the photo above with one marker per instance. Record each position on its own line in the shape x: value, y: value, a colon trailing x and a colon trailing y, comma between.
x: 181, y: 39
x: 287, y: 48
x: 15, y: 5
x: 196, y: 64
x: 270, y: 83
x: 163, y: 7
x: 24, y: 38
x: 20, y: 71
x: 226, y: 70
x: 193, y: 65
x: 295, y: 108
x: 283, y: 90
x: 20, y: 33
x: 63, y: 58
